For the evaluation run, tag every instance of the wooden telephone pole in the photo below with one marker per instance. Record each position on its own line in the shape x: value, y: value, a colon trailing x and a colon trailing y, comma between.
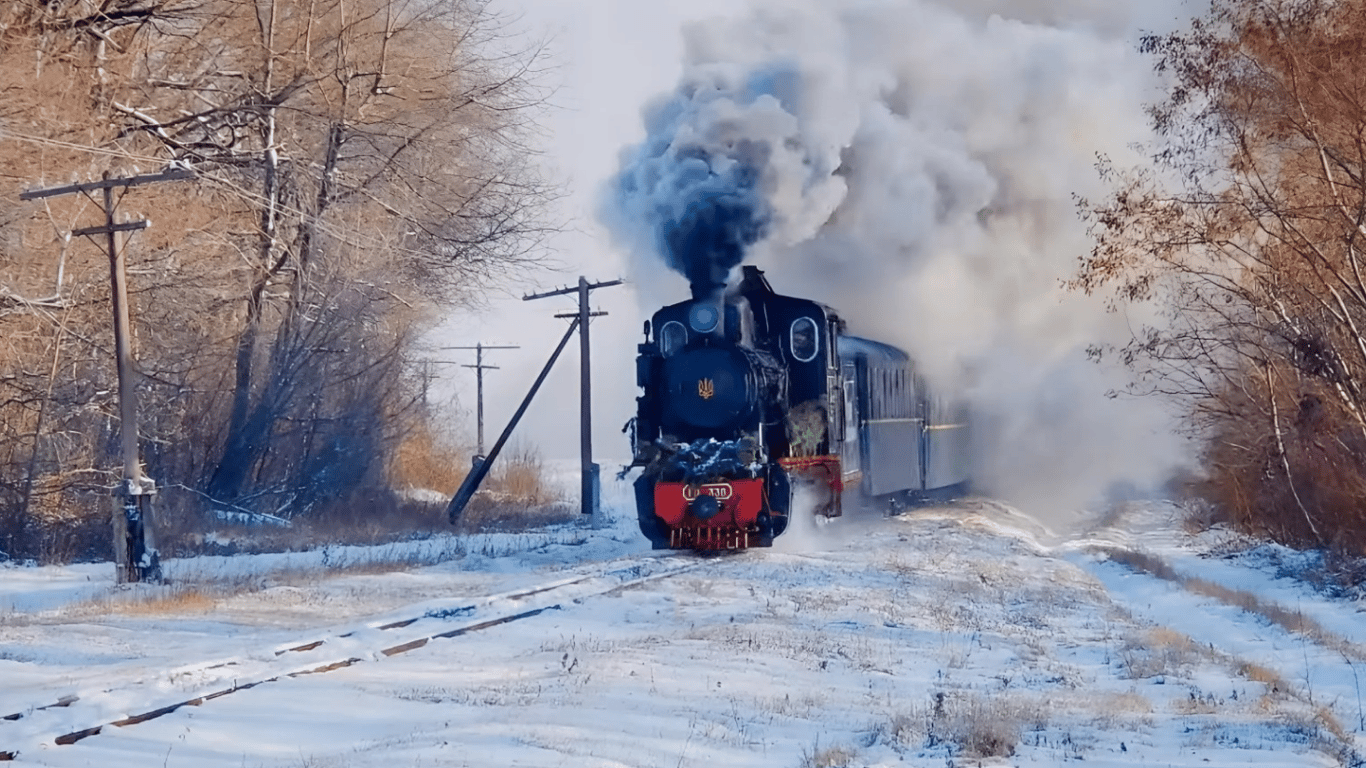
x: 135, y: 553
x: 590, y: 487
x: 479, y: 369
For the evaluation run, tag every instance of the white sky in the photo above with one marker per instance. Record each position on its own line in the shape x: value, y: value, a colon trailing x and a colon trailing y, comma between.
x: 614, y: 56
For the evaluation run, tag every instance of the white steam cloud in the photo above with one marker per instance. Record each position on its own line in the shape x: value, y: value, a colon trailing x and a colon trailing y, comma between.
x: 914, y: 165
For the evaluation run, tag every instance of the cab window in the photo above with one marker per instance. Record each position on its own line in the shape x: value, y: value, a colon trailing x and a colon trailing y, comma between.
x: 805, y: 339
x: 672, y: 337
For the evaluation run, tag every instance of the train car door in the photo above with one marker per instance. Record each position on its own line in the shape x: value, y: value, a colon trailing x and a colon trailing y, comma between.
x: 851, y: 459
x: 924, y: 410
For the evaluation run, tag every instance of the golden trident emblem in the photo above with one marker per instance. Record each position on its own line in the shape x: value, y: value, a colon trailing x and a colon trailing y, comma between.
x: 706, y: 389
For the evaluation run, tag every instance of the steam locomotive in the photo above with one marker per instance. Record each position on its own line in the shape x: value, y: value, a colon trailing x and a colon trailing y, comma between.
x: 750, y: 398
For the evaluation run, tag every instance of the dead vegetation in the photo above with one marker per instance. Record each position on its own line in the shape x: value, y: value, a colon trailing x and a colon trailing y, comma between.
x: 360, y: 167
x: 974, y: 725
x: 1317, y: 721
x: 1246, y: 230
x: 518, y: 496
x: 828, y: 757
x: 1159, y: 651
x: 1289, y: 620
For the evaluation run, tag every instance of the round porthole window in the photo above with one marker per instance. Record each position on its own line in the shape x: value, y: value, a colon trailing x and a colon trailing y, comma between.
x: 805, y: 339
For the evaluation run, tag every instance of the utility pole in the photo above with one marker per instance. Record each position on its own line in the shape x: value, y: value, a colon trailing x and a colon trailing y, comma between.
x: 482, y: 465
x: 135, y: 553
x: 590, y: 486
x: 479, y: 368
x: 426, y: 381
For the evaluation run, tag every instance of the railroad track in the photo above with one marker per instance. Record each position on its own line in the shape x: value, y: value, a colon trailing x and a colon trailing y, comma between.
x: 374, y: 642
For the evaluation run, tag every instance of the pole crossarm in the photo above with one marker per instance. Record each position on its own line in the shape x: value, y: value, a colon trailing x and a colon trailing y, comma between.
x: 170, y: 174
x: 127, y: 226
x: 572, y: 289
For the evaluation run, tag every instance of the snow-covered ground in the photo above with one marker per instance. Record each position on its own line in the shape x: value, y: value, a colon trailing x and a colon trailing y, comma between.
x: 959, y: 635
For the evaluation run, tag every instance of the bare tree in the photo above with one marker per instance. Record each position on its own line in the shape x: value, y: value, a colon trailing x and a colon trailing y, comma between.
x: 1248, y: 228
x: 360, y: 123
x: 359, y: 161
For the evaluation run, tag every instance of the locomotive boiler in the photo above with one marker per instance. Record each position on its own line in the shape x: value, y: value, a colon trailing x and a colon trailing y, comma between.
x: 750, y: 398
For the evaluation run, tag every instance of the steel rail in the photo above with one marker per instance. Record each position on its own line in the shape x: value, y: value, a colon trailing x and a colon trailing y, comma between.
x: 629, y: 576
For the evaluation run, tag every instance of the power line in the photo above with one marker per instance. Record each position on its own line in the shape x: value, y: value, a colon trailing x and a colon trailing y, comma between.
x: 356, y: 237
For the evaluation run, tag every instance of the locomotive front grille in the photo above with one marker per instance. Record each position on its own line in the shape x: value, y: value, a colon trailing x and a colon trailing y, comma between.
x: 711, y: 538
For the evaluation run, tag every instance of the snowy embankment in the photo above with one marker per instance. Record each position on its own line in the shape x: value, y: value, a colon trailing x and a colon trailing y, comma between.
x: 958, y: 635
x: 26, y: 590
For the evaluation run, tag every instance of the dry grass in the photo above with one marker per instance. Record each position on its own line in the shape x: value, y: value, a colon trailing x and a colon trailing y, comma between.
x: 517, y: 497
x: 1157, y: 652
x: 1291, y: 620
x: 187, y: 601
x: 153, y: 600
x: 978, y: 726
x: 1324, y: 718
x: 423, y: 460
x: 495, y: 513
x: 426, y: 461
x: 1324, y: 732
x: 830, y: 757
x: 1264, y: 675
x: 1317, y: 720
x: 1117, y: 706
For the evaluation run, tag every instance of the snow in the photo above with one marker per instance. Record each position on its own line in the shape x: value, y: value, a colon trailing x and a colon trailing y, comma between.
x: 966, y: 634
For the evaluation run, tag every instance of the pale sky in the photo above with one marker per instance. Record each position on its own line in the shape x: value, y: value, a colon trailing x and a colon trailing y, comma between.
x: 614, y: 56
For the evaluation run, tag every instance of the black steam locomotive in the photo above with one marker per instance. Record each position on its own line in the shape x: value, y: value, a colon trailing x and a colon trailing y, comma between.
x: 751, y: 397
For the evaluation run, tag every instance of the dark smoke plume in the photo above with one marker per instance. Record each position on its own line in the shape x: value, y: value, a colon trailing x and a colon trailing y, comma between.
x: 698, y: 192
x: 710, y: 239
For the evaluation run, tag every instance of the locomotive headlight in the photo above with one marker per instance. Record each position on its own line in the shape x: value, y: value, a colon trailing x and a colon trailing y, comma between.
x: 704, y: 317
